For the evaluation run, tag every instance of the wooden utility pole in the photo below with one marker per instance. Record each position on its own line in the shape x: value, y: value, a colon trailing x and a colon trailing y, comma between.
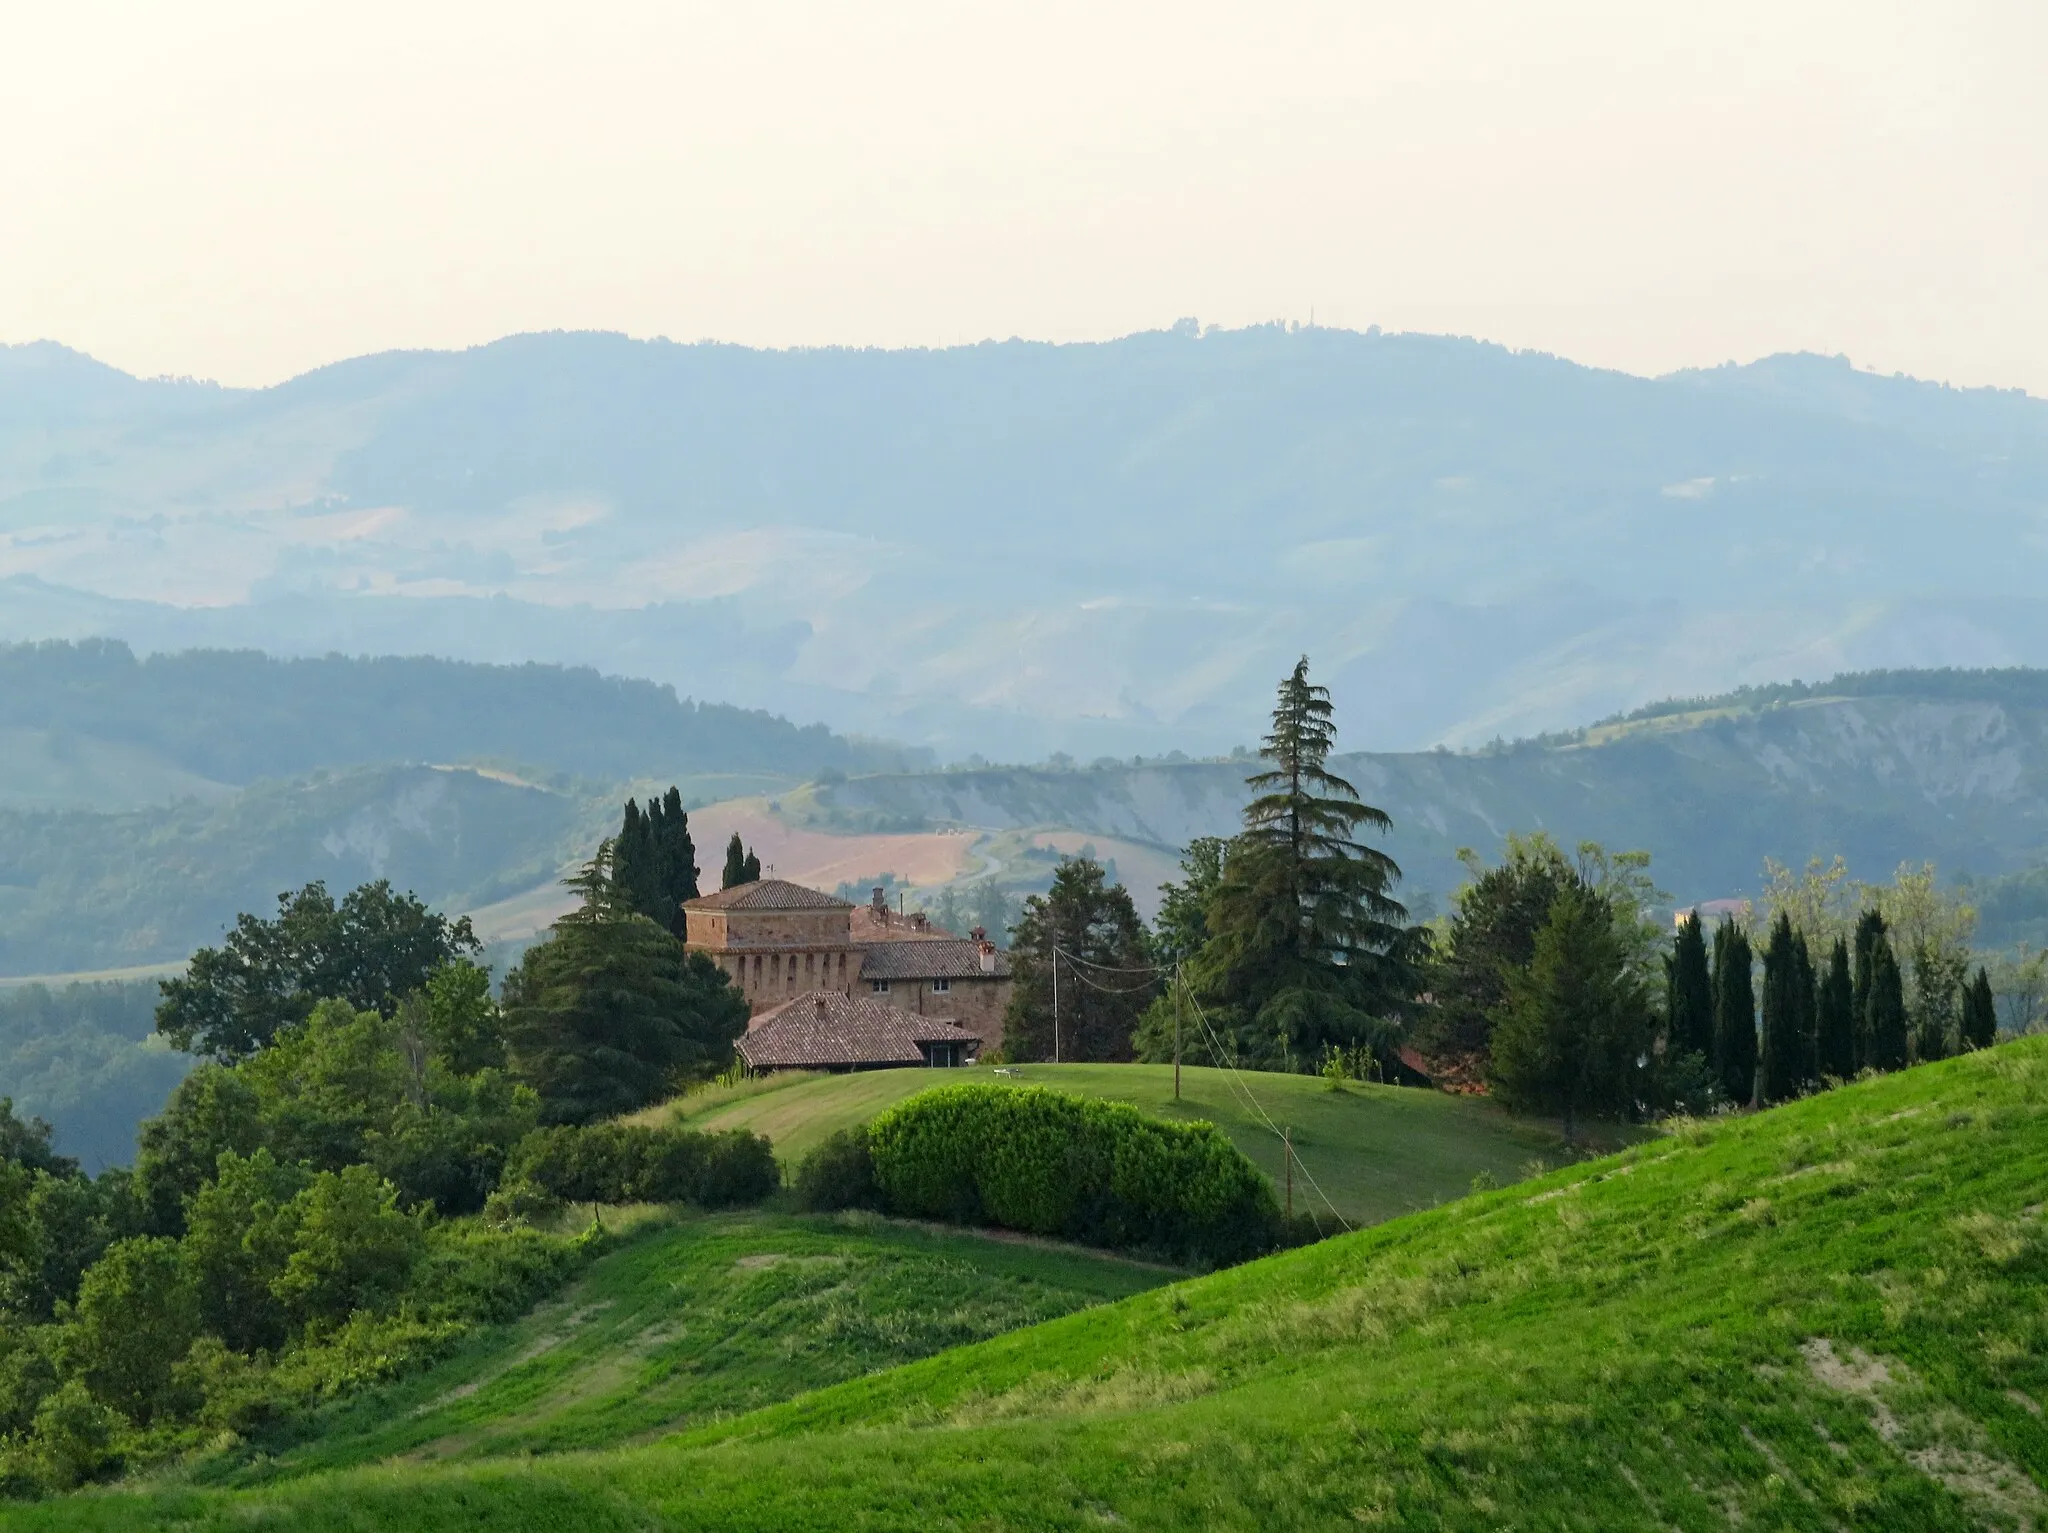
x: 1055, y: 1003
x: 1287, y: 1146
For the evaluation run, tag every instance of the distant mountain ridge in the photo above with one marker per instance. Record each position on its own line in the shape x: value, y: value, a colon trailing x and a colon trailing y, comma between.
x: 1950, y: 767
x: 1016, y: 547
x: 110, y: 730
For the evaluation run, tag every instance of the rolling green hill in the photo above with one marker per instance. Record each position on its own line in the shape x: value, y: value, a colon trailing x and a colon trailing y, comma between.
x: 1827, y: 1315
x: 695, y: 1321
x: 1377, y: 1151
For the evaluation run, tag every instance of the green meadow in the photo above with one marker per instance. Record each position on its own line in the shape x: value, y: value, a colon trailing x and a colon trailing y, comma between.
x: 1830, y: 1315
x: 1376, y: 1151
x: 694, y: 1318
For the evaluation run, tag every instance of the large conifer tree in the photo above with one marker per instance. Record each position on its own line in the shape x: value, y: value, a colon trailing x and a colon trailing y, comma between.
x: 1689, y: 991
x: 1835, y: 1022
x: 1884, y: 1020
x: 610, y: 1012
x: 1576, y: 1026
x: 1734, y: 1014
x: 1309, y: 947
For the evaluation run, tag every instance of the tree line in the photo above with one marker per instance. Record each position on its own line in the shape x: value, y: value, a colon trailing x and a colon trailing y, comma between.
x: 1552, y: 983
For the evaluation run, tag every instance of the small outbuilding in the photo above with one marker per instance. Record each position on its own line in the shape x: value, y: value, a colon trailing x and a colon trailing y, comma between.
x: 825, y: 1030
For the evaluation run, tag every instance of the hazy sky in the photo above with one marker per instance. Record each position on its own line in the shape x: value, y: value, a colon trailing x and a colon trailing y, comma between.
x: 244, y: 190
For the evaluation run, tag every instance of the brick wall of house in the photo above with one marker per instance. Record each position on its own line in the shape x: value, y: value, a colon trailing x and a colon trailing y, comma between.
x: 975, y: 1004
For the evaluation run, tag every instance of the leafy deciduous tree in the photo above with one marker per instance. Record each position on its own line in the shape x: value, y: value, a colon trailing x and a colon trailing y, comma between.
x: 1089, y: 929
x: 372, y: 950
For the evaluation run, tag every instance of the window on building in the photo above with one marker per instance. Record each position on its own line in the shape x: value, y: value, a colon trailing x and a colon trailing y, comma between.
x: 941, y: 986
x: 879, y: 986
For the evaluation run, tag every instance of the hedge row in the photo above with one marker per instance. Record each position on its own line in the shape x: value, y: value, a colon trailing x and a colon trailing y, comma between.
x: 1046, y: 1163
x: 625, y: 1163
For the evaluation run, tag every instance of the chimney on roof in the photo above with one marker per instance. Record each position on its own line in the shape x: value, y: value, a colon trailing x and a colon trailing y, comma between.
x: 917, y: 920
x: 821, y: 1007
x: 881, y: 902
x: 979, y: 934
x: 987, y: 950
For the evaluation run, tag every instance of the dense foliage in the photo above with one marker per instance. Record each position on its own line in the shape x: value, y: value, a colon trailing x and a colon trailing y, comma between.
x: 628, y: 1163
x: 371, y: 949
x: 1082, y: 970
x: 1047, y: 1163
x: 611, y: 1013
x: 654, y: 861
x: 1575, y: 1032
x: 327, y: 1200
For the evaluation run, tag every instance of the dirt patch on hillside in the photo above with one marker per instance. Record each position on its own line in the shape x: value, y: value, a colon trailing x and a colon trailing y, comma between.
x: 1941, y: 1443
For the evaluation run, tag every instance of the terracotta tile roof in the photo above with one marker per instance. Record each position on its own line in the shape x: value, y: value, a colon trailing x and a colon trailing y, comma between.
x: 767, y: 894
x: 824, y: 1029
x: 925, y: 958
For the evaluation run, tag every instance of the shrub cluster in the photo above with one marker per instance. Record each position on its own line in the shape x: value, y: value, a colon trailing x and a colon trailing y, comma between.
x: 625, y: 1163
x: 840, y: 1173
x: 1048, y: 1163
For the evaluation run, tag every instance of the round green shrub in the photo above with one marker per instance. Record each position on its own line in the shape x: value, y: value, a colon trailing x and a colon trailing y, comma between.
x: 840, y: 1173
x: 1046, y: 1163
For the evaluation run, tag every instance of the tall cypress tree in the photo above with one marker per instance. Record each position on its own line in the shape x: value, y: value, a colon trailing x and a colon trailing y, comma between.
x: 1806, y: 992
x: 635, y: 867
x: 737, y: 858
x: 1835, y: 1020
x: 1884, y: 1008
x: 1734, y: 1014
x: 675, y: 855
x: 1779, y: 1058
x: 1869, y: 928
x: 1980, y: 1013
x: 1689, y: 991
x: 654, y: 862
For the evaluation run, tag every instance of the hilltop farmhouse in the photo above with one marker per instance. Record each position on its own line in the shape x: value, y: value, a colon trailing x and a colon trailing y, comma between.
x: 926, y: 996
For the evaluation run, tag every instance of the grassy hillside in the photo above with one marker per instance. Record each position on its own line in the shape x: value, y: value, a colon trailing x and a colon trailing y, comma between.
x: 1823, y: 1316
x: 691, y: 1322
x: 1378, y: 1151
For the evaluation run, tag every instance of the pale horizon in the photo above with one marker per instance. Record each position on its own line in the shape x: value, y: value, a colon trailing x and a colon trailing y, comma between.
x: 242, y: 194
